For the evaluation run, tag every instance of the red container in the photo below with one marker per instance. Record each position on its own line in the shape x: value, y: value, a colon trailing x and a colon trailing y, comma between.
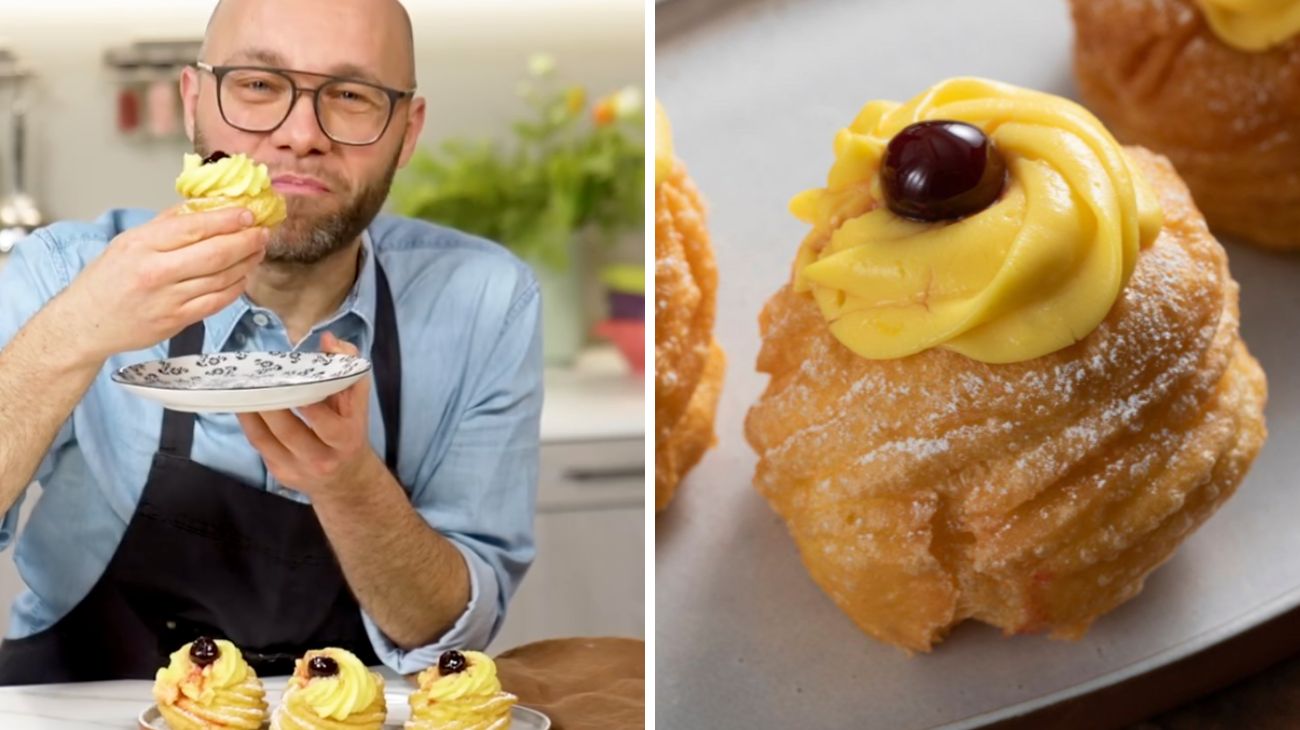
x: 629, y: 336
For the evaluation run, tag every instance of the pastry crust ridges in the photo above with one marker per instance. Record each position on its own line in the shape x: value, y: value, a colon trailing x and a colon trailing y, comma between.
x: 689, y: 365
x: 1229, y: 120
x: 1033, y: 496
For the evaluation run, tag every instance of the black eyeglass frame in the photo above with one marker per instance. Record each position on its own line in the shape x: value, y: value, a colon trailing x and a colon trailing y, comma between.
x: 394, y: 96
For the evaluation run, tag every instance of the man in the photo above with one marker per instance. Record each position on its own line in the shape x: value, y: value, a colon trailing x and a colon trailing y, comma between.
x: 393, y: 520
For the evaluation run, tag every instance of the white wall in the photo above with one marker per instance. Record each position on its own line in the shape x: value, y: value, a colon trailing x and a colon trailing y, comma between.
x: 469, y: 55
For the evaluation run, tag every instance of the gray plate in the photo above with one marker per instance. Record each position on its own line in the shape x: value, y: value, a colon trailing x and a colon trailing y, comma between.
x: 756, y: 91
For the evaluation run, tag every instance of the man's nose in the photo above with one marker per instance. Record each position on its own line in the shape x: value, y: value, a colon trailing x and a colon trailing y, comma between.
x: 301, y: 132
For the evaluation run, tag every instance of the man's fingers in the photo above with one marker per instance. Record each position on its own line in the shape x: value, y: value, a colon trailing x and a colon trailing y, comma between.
x: 237, y: 274
x: 342, y: 404
x: 209, y: 304
x: 332, y: 419
x: 356, y: 400
x: 353, y: 402
x: 174, y: 229
x: 333, y: 345
x: 214, y: 254
x: 345, y: 403
x: 260, y: 436
x: 301, y: 442
x: 326, y: 422
x: 328, y: 342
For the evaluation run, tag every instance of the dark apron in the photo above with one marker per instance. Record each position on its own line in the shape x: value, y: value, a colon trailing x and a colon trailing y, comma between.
x: 205, y: 554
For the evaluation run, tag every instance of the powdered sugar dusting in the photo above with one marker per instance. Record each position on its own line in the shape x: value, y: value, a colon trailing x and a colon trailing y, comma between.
x: 1015, y: 477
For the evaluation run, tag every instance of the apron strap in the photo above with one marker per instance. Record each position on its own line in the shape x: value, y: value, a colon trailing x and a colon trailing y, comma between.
x: 386, y: 355
x: 178, y: 428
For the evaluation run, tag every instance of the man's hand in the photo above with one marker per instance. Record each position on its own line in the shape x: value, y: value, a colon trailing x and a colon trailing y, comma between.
x: 155, y: 280
x: 327, y: 452
x: 379, y: 538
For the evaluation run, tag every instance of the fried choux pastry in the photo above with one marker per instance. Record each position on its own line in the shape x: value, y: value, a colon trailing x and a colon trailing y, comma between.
x: 1215, y: 86
x: 1004, y: 396
x: 689, y: 365
x: 207, y: 685
x: 331, y: 689
x: 460, y: 692
x: 224, y: 181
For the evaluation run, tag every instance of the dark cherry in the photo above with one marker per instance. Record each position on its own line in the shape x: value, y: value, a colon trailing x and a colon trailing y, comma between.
x: 215, y: 157
x: 941, y: 170
x: 322, y: 666
x: 451, y: 662
x: 204, y: 651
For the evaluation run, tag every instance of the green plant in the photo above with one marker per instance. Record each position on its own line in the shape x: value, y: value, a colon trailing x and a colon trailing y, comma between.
x: 567, y: 167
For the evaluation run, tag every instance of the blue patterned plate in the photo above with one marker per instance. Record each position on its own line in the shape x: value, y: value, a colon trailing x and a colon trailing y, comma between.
x: 241, y: 382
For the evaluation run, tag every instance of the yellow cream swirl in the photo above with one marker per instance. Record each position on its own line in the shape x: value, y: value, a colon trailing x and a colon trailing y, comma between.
x: 663, y: 144
x: 467, y: 700
x: 223, y: 694
x: 231, y: 181
x: 1035, y: 272
x: 353, y: 698
x: 1252, y: 25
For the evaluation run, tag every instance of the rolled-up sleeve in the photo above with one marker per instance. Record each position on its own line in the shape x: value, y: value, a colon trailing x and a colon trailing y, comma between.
x: 483, y: 490
x: 30, y: 279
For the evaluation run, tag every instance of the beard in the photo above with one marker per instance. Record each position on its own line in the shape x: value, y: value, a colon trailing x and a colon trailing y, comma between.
x: 312, y: 230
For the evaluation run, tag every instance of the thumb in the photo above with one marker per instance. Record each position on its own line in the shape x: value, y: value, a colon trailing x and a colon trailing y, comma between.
x: 334, y: 346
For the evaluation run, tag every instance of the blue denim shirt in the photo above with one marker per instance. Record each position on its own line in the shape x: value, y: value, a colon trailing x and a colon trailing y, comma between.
x: 469, y: 317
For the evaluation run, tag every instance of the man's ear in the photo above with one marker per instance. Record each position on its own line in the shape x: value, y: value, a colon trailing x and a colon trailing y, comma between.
x: 189, y: 98
x: 414, y: 125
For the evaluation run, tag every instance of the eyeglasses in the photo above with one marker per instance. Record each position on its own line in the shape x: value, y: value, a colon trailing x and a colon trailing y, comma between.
x: 259, y: 99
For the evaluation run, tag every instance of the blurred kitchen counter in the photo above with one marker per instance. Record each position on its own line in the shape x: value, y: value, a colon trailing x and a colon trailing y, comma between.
x: 595, y: 399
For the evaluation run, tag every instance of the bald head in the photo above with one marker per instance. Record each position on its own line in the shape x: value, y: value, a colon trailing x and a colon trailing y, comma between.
x: 375, y: 35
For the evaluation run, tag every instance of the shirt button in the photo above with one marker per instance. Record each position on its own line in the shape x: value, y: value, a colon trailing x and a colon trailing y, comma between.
x: 261, y: 320
x: 171, y: 625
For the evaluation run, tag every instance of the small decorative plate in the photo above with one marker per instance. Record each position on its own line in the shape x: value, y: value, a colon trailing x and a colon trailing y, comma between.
x: 242, y: 382
x: 399, y: 711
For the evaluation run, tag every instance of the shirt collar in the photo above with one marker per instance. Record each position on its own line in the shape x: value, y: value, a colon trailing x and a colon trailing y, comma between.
x: 360, y: 302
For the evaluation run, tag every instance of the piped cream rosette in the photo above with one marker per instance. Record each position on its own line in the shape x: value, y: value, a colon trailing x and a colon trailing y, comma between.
x: 223, y: 694
x: 1035, y: 272
x: 470, y: 699
x: 351, y: 698
x: 231, y: 181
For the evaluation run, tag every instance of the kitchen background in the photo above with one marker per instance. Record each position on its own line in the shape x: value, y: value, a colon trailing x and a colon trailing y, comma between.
x: 102, y: 130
